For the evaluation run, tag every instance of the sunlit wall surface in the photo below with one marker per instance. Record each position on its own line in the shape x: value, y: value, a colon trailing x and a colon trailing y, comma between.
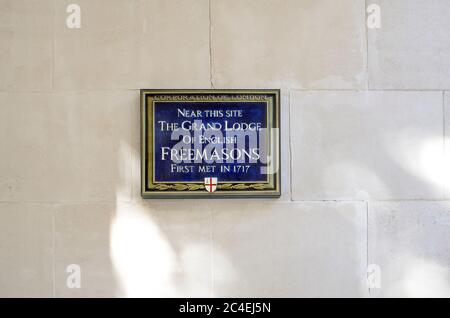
x: 365, y: 118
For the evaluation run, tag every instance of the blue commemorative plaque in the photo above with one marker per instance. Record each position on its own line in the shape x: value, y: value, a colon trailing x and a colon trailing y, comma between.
x: 210, y: 143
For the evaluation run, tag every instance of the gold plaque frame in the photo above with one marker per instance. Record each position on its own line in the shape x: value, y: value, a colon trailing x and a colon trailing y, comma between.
x: 193, y: 189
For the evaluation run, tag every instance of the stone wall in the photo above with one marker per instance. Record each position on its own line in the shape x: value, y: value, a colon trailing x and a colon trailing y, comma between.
x: 365, y: 118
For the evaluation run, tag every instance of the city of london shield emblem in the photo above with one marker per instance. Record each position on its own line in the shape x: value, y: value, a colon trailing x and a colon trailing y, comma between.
x: 211, y: 184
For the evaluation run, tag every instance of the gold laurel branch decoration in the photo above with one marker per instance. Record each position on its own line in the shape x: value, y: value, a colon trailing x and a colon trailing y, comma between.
x: 243, y: 186
x: 177, y: 187
x: 196, y: 186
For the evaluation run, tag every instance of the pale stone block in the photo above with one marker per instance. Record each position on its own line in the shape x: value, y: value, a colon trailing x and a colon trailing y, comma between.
x: 133, y: 44
x: 411, y: 50
x: 26, y: 250
x: 102, y: 53
x: 409, y: 242
x: 66, y: 146
x: 82, y: 238
x: 26, y: 15
x: 103, y: 61
x: 136, y: 154
x: 98, y: 16
x: 360, y: 145
x: 185, y: 268
x: 26, y: 30
x: 289, y: 249
x: 285, y: 164
x: 173, y: 47
x: 130, y: 250
x: 25, y: 61
x: 447, y: 145
x: 301, y: 44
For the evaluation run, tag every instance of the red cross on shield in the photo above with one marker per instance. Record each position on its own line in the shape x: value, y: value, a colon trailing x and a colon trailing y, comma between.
x: 211, y: 184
